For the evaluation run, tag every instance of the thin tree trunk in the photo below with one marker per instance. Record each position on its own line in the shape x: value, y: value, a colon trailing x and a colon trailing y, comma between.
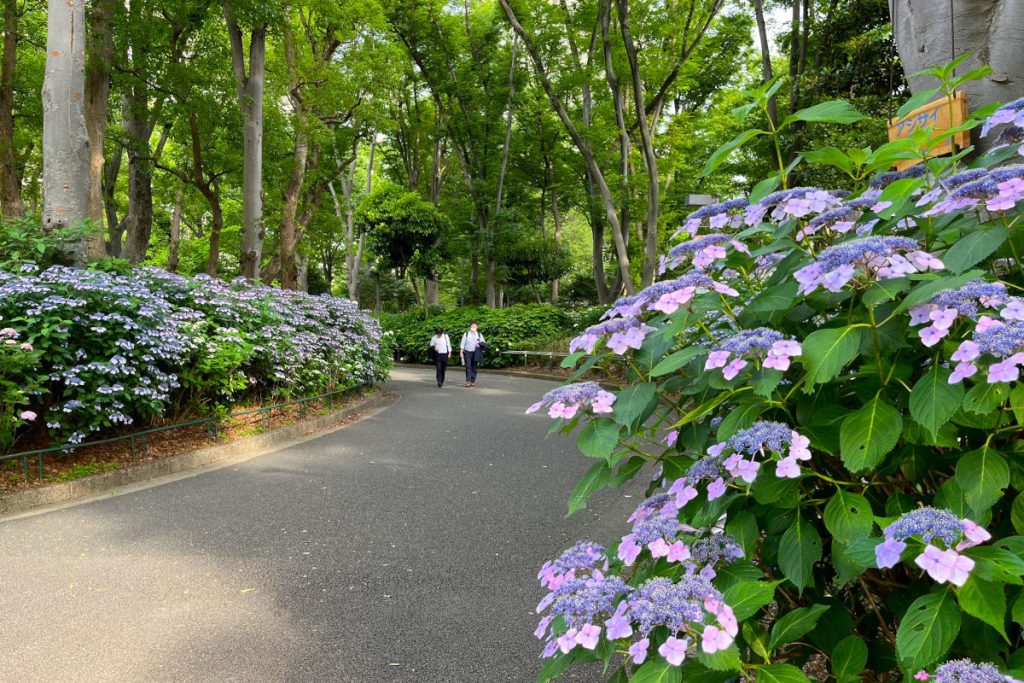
x: 99, y: 59
x: 766, y: 56
x: 510, y: 107
x: 288, y: 236
x: 10, y: 177
x: 249, y: 89
x: 174, y: 242
x: 138, y: 220
x: 581, y: 144
x: 650, y: 265
x: 618, y: 100
x: 556, y: 218
x: 432, y: 287
x: 65, y: 140
x: 111, y: 171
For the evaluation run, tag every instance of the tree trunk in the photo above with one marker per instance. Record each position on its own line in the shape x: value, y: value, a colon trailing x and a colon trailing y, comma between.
x: 249, y: 89
x: 288, y: 236
x: 111, y: 171
x: 432, y: 288
x: 650, y: 265
x: 174, y: 242
x: 990, y: 31
x: 10, y: 177
x: 138, y: 129
x: 618, y: 101
x: 510, y: 108
x: 581, y: 144
x: 65, y: 140
x: 556, y: 218
x: 766, y: 55
x: 99, y: 58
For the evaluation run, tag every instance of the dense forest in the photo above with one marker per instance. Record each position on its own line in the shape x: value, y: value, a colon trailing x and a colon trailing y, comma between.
x: 407, y: 153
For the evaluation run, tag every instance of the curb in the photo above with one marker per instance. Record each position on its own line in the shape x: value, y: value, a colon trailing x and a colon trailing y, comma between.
x: 240, y: 449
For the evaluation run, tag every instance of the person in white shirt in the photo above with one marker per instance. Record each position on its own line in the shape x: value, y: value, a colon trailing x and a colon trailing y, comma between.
x: 442, y: 347
x: 471, y: 352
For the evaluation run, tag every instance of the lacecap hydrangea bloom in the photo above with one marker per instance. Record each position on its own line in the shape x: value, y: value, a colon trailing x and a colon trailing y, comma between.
x: 703, y: 251
x: 622, y: 333
x: 727, y: 214
x: 797, y: 202
x: 869, y: 258
x: 996, y: 190
x: 1003, y: 340
x: 772, y: 349
x: 759, y: 439
x: 584, y: 556
x: 1011, y: 113
x: 965, y: 671
x: 583, y: 604
x: 566, y: 401
x: 966, y: 301
x: 944, y: 535
x: 666, y: 296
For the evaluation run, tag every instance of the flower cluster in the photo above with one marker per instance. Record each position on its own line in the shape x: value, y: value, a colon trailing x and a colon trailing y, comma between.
x: 769, y: 347
x: 665, y: 297
x: 965, y: 671
x: 703, y: 251
x: 945, y: 307
x: 582, y: 556
x: 797, y: 202
x: 872, y: 258
x: 1004, y: 340
x: 566, y: 401
x: 1011, y: 113
x: 718, y: 216
x: 622, y: 333
x: 933, y: 526
x: 759, y: 439
x: 582, y: 604
x: 996, y: 190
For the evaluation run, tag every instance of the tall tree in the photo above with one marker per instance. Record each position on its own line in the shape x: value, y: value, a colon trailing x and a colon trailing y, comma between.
x: 98, y: 64
x: 65, y: 139
x: 10, y: 177
x: 249, y: 85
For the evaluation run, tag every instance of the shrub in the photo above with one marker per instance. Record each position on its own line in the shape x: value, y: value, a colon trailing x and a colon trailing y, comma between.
x: 825, y: 397
x: 516, y: 328
x: 117, y: 349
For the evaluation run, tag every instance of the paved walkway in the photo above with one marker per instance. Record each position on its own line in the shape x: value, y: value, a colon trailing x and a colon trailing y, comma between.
x: 401, y: 548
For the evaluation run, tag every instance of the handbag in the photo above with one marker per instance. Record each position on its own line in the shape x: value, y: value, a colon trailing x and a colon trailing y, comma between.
x: 432, y: 353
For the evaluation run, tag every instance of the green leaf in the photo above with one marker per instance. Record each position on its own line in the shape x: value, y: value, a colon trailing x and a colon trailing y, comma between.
x: 627, y: 471
x: 933, y: 399
x: 554, y: 667
x: 918, y: 100
x: 799, y: 549
x: 722, y: 153
x: 834, y: 111
x: 929, y: 288
x: 884, y: 290
x: 927, y: 630
x: 657, y: 671
x: 848, y: 516
x: 598, y: 438
x: 831, y: 156
x: 723, y: 660
x: 898, y: 192
x: 776, y: 298
x: 826, y: 352
x: 1017, y: 514
x: 984, y: 398
x: 866, y: 436
x: 795, y: 624
x: 676, y: 361
x: 849, y: 658
x: 781, y: 673
x: 1017, y: 612
x: 746, y: 597
x: 986, y: 601
x: 973, y: 247
x: 982, y: 474
x: 764, y: 188
x: 593, y: 481
x: 1017, y: 402
x: 632, y: 402
x: 571, y: 360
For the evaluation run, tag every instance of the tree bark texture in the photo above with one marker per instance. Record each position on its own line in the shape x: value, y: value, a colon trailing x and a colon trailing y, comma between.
x: 174, y: 242
x: 10, y: 176
x: 65, y: 139
x: 249, y: 89
x: 288, y: 235
x: 99, y: 57
x: 928, y: 34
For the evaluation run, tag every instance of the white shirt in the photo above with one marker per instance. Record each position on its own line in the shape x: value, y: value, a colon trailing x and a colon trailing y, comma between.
x: 442, y: 344
x: 470, y: 339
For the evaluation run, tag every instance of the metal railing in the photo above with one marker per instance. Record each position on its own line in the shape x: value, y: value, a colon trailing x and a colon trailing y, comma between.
x: 550, y: 355
x: 138, y: 440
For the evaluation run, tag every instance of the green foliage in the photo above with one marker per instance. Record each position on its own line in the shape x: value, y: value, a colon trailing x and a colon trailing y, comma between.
x: 402, y: 229
x: 23, y: 241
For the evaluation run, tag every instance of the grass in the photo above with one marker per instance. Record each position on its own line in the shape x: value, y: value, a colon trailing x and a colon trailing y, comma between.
x: 84, y: 469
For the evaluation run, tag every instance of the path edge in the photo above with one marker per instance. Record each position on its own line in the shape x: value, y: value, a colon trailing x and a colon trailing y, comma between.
x: 239, y: 449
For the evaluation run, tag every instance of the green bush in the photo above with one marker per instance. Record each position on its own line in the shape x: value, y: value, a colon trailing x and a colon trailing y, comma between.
x: 515, y: 328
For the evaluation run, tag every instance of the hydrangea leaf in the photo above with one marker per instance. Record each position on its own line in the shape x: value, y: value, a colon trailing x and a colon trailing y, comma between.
x: 781, y: 673
x: 884, y: 290
x: 1017, y: 403
x: 848, y: 516
x: 747, y: 597
x: 657, y: 670
x: 743, y: 527
x: 833, y: 111
x: 849, y: 658
x: 867, y: 436
x: 862, y: 551
x: 997, y: 564
x: 1017, y: 513
x: 927, y: 630
x: 795, y: 624
x: 779, y: 297
x: 931, y: 286
x: 982, y: 474
x: 633, y: 402
x: 723, y: 660
x: 742, y: 416
x: 598, y: 438
x: 554, y: 667
x: 799, y: 549
x: 593, y: 481
x: 983, y: 398
x: 826, y: 352
x: 627, y: 470
x: 974, y: 247
x: 933, y: 399
x: 985, y: 600
x: 1017, y: 612
x: 847, y: 568
x: 676, y: 361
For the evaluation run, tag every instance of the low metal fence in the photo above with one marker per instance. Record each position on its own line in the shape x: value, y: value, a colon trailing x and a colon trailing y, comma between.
x: 138, y: 440
x: 550, y: 355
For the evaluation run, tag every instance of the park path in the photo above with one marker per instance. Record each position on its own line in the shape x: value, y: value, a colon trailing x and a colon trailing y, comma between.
x: 401, y: 548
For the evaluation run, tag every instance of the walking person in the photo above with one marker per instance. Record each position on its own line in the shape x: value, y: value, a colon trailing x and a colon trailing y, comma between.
x: 442, y: 352
x: 471, y: 352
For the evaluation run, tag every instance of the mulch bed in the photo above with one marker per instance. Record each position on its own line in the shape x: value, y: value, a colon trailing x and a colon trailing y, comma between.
x: 88, y: 459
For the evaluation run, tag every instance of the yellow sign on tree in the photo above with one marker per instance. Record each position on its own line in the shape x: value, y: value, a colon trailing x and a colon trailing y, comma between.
x: 938, y: 116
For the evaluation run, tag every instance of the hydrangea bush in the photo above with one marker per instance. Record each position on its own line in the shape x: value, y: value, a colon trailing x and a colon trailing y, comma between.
x: 109, y: 350
x: 824, y: 393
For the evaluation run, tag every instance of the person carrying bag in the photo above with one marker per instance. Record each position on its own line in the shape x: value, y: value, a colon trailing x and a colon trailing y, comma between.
x: 471, y: 352
x: 440, y: 352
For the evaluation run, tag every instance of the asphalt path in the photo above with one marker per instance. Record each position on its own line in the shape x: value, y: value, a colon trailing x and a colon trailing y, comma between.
x: 403, y: 547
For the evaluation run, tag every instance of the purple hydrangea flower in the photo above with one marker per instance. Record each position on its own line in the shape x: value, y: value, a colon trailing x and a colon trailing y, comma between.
x: 931, y: 526
x: 966, y: 671
x: 582, y: 556
x: 718, y: 216
x: 764, y: 344
x: 1012, y: 112
x: 566, y: 401
x: 797, y: 202
x: 878, y: 258
x: 622, y: 333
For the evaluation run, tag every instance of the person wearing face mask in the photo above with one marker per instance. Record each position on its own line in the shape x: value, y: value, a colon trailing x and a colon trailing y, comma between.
x: 441, y: 348
x: 471, y: 352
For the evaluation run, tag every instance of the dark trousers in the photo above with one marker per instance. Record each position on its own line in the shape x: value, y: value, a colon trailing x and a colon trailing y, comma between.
x: 442, y: 365
x: 471, y: 365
